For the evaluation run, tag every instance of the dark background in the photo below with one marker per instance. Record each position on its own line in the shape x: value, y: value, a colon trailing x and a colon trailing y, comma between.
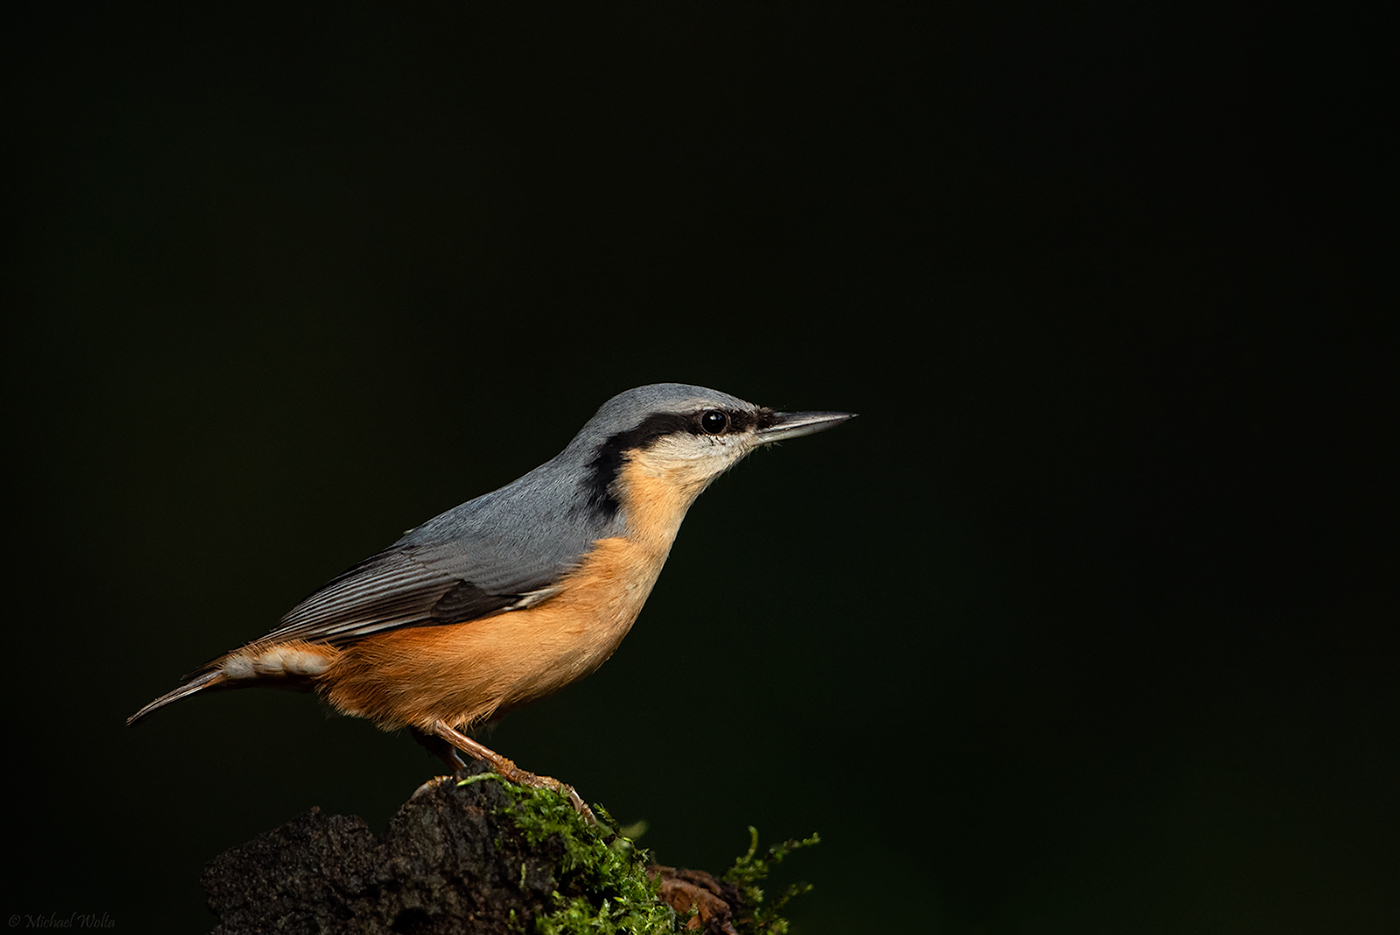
x: 1081, y: 627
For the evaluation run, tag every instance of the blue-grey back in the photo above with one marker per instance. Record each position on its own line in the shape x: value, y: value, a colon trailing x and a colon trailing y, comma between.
x: 499, y: 551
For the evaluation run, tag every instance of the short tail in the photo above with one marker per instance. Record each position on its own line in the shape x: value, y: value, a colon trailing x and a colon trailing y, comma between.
x: 209, y: 678
x: 296, y: 664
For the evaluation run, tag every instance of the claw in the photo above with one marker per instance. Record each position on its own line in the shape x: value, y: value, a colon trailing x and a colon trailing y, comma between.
x: 429, y: 786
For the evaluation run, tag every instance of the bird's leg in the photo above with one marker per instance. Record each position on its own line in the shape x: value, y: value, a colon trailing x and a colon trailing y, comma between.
x: 439, y: 748
x: 507, y: 768
x: 445, y: 752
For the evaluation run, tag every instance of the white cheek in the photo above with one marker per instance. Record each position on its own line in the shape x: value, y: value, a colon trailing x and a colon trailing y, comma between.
x: 717, y: 450
x: 697, y: 458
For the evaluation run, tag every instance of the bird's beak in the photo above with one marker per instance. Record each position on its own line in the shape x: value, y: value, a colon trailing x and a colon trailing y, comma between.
x: 795, y: 424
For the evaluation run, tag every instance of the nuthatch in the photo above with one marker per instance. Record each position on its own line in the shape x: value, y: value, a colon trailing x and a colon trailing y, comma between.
x: 511, y: 596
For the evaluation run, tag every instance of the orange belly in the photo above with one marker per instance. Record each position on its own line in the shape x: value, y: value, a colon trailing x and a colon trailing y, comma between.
x: 466, y: 673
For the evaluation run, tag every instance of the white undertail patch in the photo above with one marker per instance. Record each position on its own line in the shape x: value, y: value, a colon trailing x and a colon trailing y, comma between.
x: 278, y: 662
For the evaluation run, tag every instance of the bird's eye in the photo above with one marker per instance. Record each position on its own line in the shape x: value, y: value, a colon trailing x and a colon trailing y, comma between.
x: 713, y: 421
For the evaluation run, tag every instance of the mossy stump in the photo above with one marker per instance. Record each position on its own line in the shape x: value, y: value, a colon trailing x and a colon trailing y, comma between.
x: 475, y: 855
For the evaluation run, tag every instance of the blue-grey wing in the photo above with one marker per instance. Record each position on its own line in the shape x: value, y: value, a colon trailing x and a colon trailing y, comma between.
x: 415, y: 585
x: 503, y: 551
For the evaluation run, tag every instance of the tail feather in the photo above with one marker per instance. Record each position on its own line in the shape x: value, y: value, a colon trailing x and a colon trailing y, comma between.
x: 209, y: 678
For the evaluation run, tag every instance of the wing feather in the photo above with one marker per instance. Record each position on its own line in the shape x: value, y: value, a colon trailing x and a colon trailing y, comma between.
x: 503, y: 551
x: 409, y: 586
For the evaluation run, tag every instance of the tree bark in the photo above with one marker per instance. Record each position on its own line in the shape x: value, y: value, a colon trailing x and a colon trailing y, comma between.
x: 455, y: 858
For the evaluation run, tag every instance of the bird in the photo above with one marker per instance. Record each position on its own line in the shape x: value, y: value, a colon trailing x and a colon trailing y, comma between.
x: 517, y: 593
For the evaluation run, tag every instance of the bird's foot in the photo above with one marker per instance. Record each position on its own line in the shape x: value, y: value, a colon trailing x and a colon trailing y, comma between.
x: 527, y: 778
x: 506, y: 768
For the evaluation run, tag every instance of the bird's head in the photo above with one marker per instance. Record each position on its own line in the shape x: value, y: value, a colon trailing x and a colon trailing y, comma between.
x: 675, y: 439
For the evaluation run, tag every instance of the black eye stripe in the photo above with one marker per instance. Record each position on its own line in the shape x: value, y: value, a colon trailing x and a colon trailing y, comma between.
x: 612, y: 453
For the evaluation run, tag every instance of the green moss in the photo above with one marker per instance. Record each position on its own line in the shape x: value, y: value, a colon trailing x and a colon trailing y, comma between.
x: 763, y: 917
x: 602, y: 884
x: 603, y: 887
